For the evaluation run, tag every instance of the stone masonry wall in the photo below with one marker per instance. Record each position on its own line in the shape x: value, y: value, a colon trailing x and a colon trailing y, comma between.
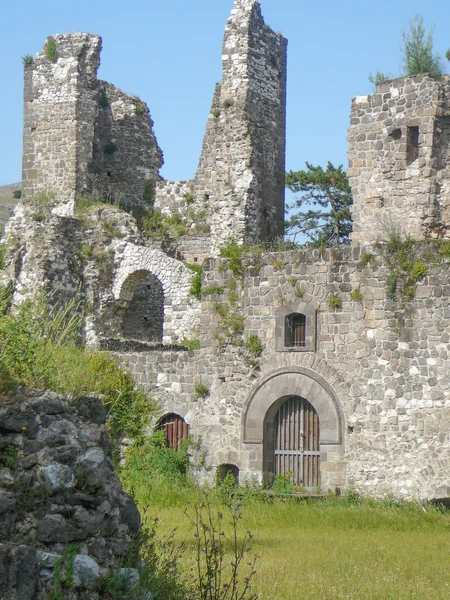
x: 81, y: 135
x: 386, y: 364
x: 58, y: 487
x: 240, y: 177
x: 399, y: 159
x: 59, y: 115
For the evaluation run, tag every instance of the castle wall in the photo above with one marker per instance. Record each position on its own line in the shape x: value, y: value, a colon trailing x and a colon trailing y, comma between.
x: 385, y: 364
x: 399, y: 159
x: 126, y: 153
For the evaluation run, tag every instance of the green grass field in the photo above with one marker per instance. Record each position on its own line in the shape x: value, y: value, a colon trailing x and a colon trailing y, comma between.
x: 338, y: 550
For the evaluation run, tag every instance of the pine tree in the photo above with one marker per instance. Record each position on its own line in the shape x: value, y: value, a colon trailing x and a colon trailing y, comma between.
x: 326, y: 197
x: 418, y: 56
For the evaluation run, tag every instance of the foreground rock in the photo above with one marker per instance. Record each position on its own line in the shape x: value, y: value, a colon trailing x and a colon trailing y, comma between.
x: 62, y: 508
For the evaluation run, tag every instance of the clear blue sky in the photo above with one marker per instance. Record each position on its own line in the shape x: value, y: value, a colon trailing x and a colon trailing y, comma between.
x: 169, y: 54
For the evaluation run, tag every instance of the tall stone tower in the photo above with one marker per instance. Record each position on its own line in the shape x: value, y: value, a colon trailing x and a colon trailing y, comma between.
x: 399, y: 159
x: 242, y: 164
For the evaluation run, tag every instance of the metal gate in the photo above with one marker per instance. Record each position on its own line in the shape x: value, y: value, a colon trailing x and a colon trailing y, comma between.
x: 175, y: 428
x: 296, y: 445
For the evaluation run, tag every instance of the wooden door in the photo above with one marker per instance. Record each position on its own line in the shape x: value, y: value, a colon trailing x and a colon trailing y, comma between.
x: 176, y: 430
x: 296, y: 444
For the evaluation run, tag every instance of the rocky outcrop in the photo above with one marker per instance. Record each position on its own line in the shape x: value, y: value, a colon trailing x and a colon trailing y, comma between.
x: 60, y: 500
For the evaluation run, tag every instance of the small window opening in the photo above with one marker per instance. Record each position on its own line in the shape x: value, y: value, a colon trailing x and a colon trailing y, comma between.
x: 295, y: 331
x: 412, y: 152
x: 224, y: 470
x: 109, y: 173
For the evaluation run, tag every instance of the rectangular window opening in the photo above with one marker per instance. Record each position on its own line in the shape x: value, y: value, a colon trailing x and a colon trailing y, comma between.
x: 412, y: 151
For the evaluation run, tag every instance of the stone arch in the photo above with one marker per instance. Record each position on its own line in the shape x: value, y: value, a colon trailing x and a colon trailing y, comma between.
x: 266, y: 399
x: 181, y: 309
x: 142, y: 307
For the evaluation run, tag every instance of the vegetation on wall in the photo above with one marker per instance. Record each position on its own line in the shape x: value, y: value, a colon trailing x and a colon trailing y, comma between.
x: 418, y: 53
x: 51, y: 50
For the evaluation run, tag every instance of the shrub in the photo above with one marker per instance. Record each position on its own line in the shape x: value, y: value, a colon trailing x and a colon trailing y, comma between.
x: 201, y: 389
x: 356, y: 295
x: 191, y: 344
x: 418, y: 271
x: 213, y: 290
x: 27, y: 60
x: 216, y: 113
x: 17, y: 194
x: 51, y: 50
x: 228, y: 103
x: 254, y: 345
x: 334, y: 301
x: 367, y: 258
x: 140, y: 108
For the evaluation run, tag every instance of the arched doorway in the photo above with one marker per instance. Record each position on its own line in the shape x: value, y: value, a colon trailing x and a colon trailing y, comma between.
x: 175, y: 429
x: 311, y: 391
x: 291, y: 442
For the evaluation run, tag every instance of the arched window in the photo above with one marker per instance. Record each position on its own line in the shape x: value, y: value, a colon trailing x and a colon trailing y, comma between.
x: 175, y: 429
x: 295, y: 331
x: 296, y: 325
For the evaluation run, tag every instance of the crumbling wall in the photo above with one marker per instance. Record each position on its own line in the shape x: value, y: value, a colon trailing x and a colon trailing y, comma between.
x: 60, y: 108
x: 240, y: 177
x: 399, y: 159
x: 82, y: 135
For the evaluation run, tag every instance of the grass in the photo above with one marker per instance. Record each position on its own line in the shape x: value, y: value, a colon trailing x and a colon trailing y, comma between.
x: 336, y: 550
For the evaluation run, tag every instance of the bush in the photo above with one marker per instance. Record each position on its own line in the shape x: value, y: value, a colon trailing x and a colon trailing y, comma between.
x: 334, y: 301
x: 51, y: 50
x: 201, y: 389
x: 379, y: 78
x: 254, y: 345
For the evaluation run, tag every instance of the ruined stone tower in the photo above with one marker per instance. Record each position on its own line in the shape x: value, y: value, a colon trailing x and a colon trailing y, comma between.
x: 399, y: 159
x: 82, y: 135
x: 240, y: 178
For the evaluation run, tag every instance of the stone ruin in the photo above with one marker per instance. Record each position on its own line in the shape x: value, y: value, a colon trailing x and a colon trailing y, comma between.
x: 326, y: 366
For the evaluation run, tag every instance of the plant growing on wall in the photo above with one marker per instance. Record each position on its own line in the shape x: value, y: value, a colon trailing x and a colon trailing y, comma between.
x: 324, y: 219
x: 51, y: 50
x: 418, y: 54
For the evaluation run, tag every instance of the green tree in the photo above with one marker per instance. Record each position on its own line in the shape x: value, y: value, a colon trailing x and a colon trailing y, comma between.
x: 325, y: 219
x: 418, y: 55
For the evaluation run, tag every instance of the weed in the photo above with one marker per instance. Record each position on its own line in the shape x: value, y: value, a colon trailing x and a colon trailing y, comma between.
x: 51, y: 50
x: 110, y: 148
x: 234, y: 252
x: 278, y: 264
x: 9, y: 457
x: 391, y: 286
x: 111, y: 230
x: 157, y: 225
x: 188, y: 198
x: 299, y: 291
x: 216, y: 113
x: 3, y: 254
x: 367, y: 258
x: 254, y: 345
x: 356, y: 295
x: 444, y: 250
x: 196, y: 283
x: 43, y: 199
x: 213, y: 290
x: 418, y: 271
x: 227, y: 103
x: 140, y: 108
x: 27, y: 60
x: 201, y: 389
x: 334, y: 301
x: 213, y: 579
x: 191, y: 344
